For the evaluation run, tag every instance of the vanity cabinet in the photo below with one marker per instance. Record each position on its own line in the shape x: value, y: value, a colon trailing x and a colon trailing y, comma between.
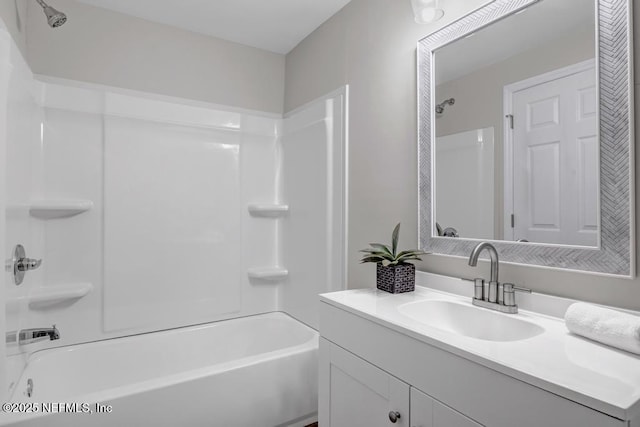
x: 369, y: 369
x: 363, y: 395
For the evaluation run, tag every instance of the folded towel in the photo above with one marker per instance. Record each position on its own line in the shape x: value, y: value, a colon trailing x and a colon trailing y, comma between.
x: 611, y: 327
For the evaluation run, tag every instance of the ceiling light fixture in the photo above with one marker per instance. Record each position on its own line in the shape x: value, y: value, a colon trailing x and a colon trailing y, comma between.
x: 426, y: 11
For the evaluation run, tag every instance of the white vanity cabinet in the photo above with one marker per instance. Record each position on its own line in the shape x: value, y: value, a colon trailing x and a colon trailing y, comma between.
x: 359, y: 394
x: 370, y: 367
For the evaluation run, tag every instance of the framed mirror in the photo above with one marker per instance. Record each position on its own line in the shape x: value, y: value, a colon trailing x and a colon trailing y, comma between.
x: 525, y: 128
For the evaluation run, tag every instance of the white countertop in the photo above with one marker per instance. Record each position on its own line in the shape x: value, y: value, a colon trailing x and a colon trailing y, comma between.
x: 595, y: 375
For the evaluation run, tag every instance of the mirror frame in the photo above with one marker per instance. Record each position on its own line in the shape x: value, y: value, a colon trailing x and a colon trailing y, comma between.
x: 615, y: 254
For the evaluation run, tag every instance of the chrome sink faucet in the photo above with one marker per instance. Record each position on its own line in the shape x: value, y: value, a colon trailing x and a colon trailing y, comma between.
x: 495, y: 296
x: 492, y: 295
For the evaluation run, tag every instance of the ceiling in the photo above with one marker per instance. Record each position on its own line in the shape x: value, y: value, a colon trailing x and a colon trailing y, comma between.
x: 273, y: 25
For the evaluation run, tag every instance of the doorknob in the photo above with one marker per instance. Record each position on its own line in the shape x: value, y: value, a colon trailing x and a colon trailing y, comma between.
x: 394, y: 416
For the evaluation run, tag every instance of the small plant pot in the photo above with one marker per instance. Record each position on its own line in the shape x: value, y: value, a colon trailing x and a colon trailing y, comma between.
x: 396, y: 278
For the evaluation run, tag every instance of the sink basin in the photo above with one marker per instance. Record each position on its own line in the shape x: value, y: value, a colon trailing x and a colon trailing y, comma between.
x: 470, y: 321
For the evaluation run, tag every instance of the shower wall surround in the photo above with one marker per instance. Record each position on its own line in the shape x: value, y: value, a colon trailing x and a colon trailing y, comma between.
x: 313, y: 159
x: 169, y: 181
x: 167, y: 238
x: 171, y: 203
x: 153, y: 213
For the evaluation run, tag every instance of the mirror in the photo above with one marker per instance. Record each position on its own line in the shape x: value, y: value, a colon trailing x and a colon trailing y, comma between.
x: 544, y: 84
x: 521, y: 134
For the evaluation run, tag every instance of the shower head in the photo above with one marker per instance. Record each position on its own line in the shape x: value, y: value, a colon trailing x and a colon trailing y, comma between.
x: 440, y: 107
x: 55, y: 18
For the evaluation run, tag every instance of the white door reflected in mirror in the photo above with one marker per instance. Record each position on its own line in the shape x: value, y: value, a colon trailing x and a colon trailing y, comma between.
x: 555, y: 158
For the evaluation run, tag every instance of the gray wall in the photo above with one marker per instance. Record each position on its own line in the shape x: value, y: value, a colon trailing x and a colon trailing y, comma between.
x: 479, y: 97
x: 14, y: 15
x: 370, y: 45
x: 99, y: 46
x: 480, y: 92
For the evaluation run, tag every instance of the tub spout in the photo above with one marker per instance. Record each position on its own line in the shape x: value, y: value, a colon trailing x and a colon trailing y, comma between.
x: 30, y: 336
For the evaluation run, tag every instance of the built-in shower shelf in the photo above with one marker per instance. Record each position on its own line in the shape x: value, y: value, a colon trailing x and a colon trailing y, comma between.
x: 48, y: 296
x: 266, y: 210
x: 51, y: 209
x: 268, y: 273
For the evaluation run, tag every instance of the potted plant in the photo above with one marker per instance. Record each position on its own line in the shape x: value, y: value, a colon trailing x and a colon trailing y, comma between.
x: 394, y: 273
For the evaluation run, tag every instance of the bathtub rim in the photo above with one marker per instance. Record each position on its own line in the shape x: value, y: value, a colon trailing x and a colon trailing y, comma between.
x: 174, y: 378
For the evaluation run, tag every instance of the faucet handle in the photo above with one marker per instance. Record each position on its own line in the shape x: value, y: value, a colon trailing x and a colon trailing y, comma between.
x: 478, y: 288
x: 510, y: 293
x: 510, y: 287
x: 22, y: 264
x: 27, y: 264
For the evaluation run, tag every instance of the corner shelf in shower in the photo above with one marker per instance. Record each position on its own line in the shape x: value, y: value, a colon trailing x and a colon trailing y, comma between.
x: 268, y: 210
x: 52, y: 209
x: 268, y: 273
x: 48, y: 296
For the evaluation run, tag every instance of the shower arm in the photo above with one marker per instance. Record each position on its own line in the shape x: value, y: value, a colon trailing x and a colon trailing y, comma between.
x: 440, y: 107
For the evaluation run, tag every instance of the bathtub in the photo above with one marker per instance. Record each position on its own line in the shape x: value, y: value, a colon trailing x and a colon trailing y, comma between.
x: 257, y: 371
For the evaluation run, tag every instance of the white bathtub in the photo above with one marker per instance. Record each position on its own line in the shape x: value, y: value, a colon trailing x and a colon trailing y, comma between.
x: 258, y: 371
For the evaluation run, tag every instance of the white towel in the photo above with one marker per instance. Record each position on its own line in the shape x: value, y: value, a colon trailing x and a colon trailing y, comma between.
x: 611, y: 327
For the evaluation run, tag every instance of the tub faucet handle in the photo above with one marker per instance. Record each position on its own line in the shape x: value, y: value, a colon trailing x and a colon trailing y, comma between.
x: 27, y: 264
x: 22, y: 264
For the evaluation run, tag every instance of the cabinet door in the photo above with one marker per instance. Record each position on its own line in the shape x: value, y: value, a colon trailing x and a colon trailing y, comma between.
x: 427, y: 412
x: 354, y: 393
x: 421, y: 409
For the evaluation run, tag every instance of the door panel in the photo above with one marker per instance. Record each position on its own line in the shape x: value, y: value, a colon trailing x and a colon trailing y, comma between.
x: 587, y: 174
x: 544, y: 184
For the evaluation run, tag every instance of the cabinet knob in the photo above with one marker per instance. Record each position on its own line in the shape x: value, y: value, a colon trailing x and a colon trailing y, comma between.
x: 394, y: 416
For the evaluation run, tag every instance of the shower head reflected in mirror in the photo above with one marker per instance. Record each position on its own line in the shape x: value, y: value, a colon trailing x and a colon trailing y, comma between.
x: 440, y: 107
x: 55, y: 18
